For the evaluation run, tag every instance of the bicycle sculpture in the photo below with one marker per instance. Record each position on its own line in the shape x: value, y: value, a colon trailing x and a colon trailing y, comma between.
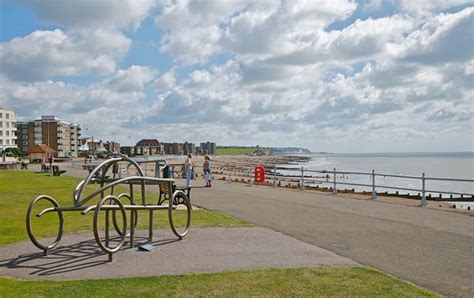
x: 108, y: 176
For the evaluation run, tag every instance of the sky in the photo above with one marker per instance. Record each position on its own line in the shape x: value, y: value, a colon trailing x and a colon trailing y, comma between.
x: 335, y: 76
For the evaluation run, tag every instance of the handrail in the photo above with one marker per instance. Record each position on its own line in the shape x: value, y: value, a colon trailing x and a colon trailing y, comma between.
x: 331, y: 178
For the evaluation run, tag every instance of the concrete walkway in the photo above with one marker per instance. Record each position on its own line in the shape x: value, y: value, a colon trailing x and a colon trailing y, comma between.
x: 433, y: 249
x: 203, y: 250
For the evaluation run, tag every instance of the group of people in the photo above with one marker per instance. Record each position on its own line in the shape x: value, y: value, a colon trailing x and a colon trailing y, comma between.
x: 206, y: 168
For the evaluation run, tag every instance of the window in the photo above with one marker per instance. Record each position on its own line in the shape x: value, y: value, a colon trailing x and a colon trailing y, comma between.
x: 7, y: 142
x: 25, y: 131
x: 25, y: 143
x: 7, y: 116
x: 7, y: 133
x: 1, y: 133
x: 1, y: 142
x: 7, y: 124
x: 1, y: 124
x: 1, y: 115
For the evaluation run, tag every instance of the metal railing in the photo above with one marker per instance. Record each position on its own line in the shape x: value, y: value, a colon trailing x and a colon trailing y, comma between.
x: 305, y: 177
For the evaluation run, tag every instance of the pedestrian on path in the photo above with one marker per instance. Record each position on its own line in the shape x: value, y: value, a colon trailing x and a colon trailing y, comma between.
x: 188, y: 167
x: 206, y: 167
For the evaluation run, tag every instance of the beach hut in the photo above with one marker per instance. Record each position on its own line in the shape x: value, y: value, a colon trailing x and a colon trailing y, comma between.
x: 41, y: 153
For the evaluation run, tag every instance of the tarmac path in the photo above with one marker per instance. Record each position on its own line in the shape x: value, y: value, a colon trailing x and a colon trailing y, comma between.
x: 430, y: 248
x: 203, y: 250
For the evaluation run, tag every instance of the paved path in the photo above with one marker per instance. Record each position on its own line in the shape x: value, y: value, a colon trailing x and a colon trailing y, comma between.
x: 203, y: 250
x: 431, y: 248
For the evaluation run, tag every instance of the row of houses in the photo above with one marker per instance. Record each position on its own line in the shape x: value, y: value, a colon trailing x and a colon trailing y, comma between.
x: 64, y: 139
x: 155, y: 147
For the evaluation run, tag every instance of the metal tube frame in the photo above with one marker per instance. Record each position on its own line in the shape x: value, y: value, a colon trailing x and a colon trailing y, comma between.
x: 110, y: 204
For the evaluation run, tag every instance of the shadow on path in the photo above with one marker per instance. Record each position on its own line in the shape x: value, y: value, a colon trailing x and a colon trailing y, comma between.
x: 68, y: 258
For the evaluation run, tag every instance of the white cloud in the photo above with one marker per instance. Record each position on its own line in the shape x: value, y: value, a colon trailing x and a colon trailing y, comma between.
x: 166, y: 81
x: 401, y: 79
x: 92, y: 41
x: 45, y: 54
x: 132, y: 79
x: 424, y: 7
x: 197, y: 30
x: 103, y: 106
x: 443, y: 39
x: 92, y: 14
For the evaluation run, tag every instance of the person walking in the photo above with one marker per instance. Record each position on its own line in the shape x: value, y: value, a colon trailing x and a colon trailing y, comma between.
x: 206, y: 167
x: 188, y: 167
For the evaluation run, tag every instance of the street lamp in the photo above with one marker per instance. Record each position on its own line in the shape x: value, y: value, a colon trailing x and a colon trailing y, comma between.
x: 113, y: 143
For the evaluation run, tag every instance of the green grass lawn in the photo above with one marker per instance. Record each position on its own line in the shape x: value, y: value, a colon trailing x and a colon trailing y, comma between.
x: 236, y: 151
x: 18, y: 188
x: 319, y: 282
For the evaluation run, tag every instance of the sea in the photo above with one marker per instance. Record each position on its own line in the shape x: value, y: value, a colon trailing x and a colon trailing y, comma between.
x: 458, y: 165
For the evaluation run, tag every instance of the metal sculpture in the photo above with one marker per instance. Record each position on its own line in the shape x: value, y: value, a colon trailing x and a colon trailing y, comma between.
x: 113, y: 203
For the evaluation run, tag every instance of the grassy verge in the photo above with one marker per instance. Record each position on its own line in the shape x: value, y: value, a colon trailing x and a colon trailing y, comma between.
x: 319, y: 282
x: 236, y: 151
x: 18, y: 188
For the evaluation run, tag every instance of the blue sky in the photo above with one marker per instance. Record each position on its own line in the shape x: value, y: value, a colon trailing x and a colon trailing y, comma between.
x: 339, y: 76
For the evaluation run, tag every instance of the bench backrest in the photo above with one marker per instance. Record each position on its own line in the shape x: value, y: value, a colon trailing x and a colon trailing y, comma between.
x: 165, y: 187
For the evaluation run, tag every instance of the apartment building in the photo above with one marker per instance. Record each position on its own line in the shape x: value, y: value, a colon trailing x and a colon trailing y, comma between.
x: 7, y: 129
x: 208, y: 148
x: 22, y: 137
x: 61, y: 136
x: 189, y: 148
x: 173, y: 148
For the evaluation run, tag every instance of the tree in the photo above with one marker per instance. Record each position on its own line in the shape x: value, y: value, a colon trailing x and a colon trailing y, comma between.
x: 12, y: 152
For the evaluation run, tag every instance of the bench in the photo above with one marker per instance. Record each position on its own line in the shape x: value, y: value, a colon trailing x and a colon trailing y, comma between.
x: 164, y: 191
x: 57, y: 172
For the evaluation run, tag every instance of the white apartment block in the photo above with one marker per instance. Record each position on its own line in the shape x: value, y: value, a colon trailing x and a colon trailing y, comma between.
x: 7, y: 129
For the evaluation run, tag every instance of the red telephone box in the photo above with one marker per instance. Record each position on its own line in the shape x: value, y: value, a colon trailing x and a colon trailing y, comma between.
x: 259, y: 174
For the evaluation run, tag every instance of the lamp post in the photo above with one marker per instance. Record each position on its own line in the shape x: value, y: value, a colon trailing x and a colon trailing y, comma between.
x: 87, y: 129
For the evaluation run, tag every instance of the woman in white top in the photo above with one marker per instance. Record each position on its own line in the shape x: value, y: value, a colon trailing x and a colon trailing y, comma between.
x: 188, y: 167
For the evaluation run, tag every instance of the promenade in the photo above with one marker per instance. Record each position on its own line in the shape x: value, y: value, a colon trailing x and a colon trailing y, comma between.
x: 430, y: 248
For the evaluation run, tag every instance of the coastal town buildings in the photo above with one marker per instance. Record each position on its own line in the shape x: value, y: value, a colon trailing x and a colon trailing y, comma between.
x: 88, y: 146
x: 173, y: 148
x: 208, y: 148
x: 149, y: 147
x: 7, y: 129
x: 189, y: 148
x: 22, y: 137
x: 112, y: 146
x: 155, y: 147
x: 127, y: 150
x: 61, y: 136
